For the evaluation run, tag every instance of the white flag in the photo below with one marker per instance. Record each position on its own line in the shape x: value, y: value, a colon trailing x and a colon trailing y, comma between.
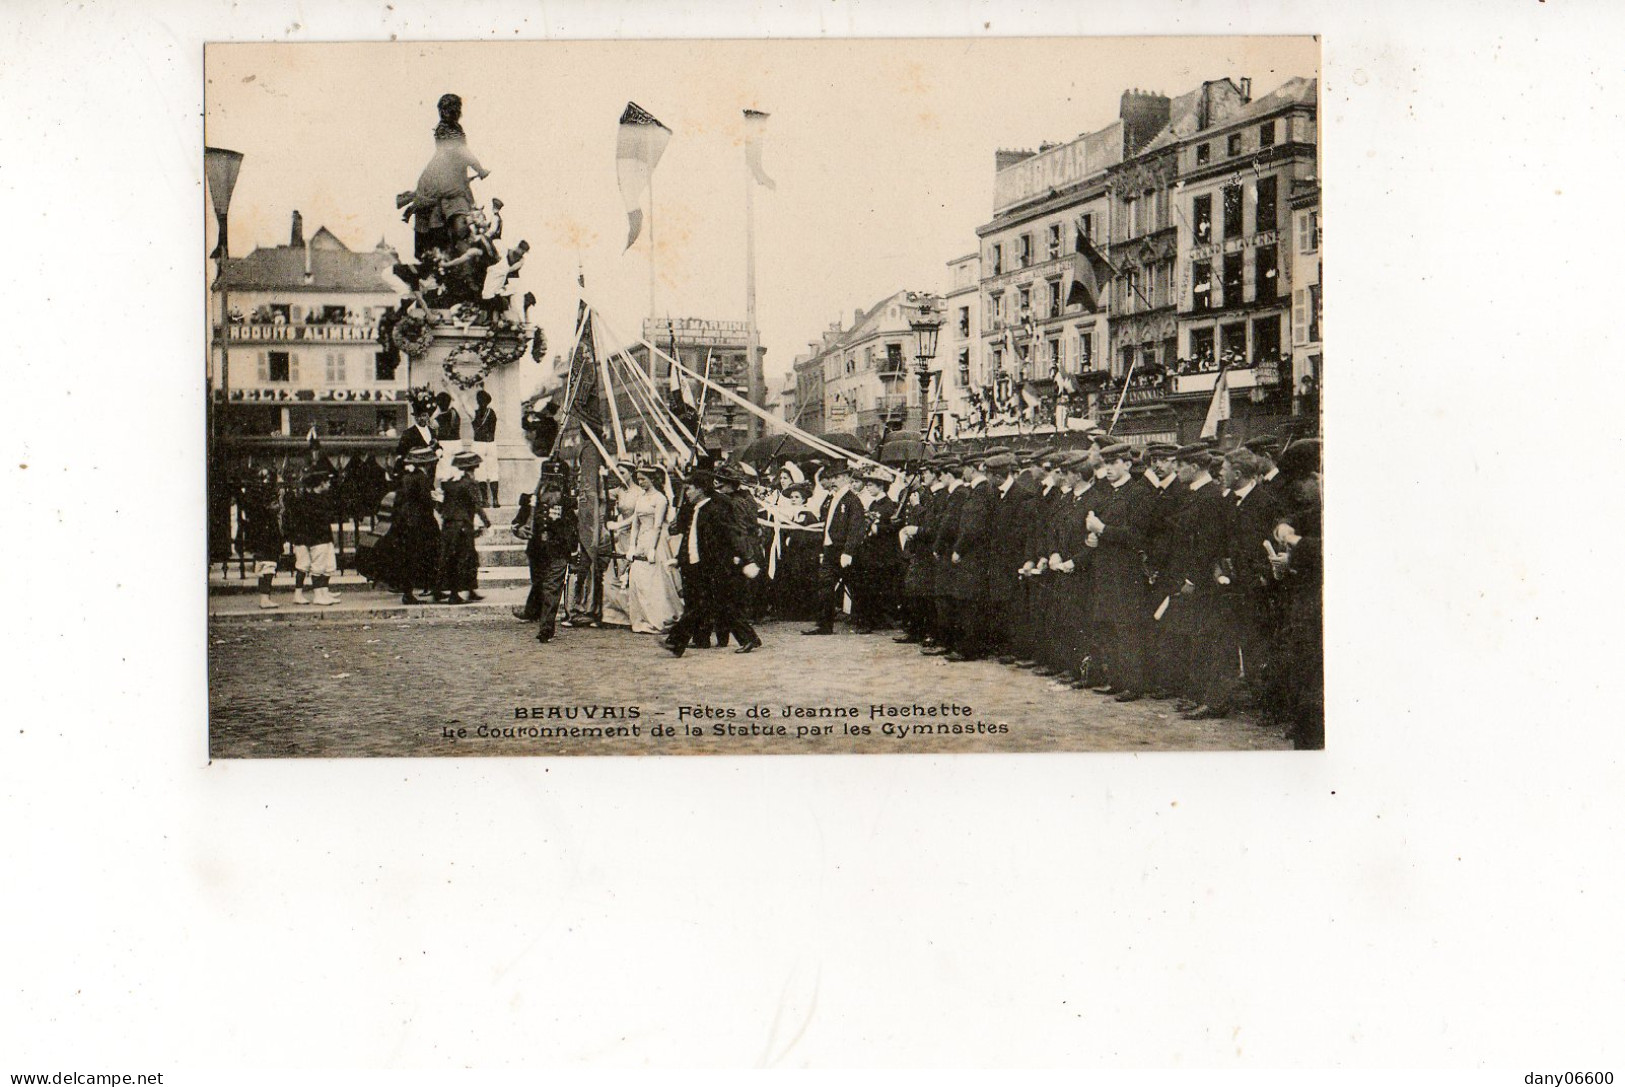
x: 755, y: 127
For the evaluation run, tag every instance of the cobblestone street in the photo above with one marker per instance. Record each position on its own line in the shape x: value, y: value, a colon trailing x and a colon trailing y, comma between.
x: 389, y: 687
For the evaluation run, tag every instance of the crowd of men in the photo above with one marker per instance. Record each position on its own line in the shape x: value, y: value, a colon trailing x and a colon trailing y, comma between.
x: 1187, y: 573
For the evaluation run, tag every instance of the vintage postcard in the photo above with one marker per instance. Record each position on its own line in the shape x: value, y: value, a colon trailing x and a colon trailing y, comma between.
x: 735, y: 397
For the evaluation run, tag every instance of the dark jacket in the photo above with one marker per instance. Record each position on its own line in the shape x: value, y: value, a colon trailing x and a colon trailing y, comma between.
x: 847, y: 528
x: 309, y: 518
x: 1119, y: 575
x: 973, y: 541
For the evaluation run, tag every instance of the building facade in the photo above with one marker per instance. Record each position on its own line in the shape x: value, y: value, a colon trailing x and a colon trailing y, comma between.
x: 871, y: 371
x: 301, y: 341
x: 1237, y: 171
x: 1306, y: 319
x: 716, y: 348
x: 1044, y: 314
x: 961, y: 363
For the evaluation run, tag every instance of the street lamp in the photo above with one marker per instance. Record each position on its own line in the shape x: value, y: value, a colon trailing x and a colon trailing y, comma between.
x: 926, y: 324
x: 220, y: 169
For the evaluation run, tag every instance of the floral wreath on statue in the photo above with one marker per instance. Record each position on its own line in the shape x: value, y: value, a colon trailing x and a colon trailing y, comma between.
x: 468, y: 368
x: 414, y: 335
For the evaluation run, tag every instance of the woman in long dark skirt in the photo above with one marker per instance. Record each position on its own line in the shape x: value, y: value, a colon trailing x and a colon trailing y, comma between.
x: 460, y: 506
x: 411, y: 549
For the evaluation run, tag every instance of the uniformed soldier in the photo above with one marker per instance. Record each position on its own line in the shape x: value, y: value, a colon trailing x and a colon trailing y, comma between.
x: 1298, y: 653
x: 546, y: 521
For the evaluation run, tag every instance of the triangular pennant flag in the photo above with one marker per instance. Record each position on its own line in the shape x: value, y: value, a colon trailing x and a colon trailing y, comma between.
x: 1219, y: 407
x: 755, y: 128
x: 639, y: 143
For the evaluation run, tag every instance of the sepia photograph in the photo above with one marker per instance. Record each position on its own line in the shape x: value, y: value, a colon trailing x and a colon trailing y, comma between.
x: 734, y: 397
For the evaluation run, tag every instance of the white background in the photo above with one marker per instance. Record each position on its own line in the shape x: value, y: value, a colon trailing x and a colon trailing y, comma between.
x: 1442, y: 887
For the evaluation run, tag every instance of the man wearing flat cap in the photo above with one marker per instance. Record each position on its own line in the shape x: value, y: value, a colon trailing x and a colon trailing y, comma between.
x: 914, y: 541
x: 1190, y: 630
x: 944, y: 531
x: 1117, y: 531
x: 969, y: 559
x: 1011, y: 492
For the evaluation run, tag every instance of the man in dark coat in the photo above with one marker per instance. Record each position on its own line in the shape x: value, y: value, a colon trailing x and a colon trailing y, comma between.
x: 707, y: 546
x: 546, y: 521
x: 919, y: 501
x: 946, y: 636
x: 1117, y: 528
x: 1241, y: 636
x: 1298, y: 657
x: 733, y: 596
x: 1011, y: 491
x: 844, y: 530
x: 874, y: 564
x: 1036, y: 651
x: 1071, y: 648
x: 969, y: 559
x: 1194, y: 544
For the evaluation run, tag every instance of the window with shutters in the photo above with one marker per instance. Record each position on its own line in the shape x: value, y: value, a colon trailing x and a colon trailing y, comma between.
x: 1054, y: 249
x: 1265, y: 214
x: 1233, y: 145
x: 1125, y: 360
x: 963, y: 376
x: 383, y: 366
x: 1024, y: 300
x: 1202, y: 219
x: 1300, y: 316
x: 1086, y: 349
x: 1055, y: 354
x: 996, y: 258
x: 1203, y: 153
x: 1024, y: 250
x: 1083, y: 231
x: 281, y: 366
x: 1308, y: 231
x: 1054, y: 297
x: 964, y: 321
x: 1232, y: 211
x: 260, y: 370
x: 335, y: 368
x: 1266, y: 134
x: 1233, y: 343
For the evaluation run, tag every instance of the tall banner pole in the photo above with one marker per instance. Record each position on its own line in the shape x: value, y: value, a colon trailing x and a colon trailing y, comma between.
x: 651, y: 248
x: 753, y: 362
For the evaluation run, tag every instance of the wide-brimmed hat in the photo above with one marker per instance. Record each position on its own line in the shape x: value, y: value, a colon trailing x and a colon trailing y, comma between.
x: 466, y: 459
x: 703, y: 478
x: 422, y: 455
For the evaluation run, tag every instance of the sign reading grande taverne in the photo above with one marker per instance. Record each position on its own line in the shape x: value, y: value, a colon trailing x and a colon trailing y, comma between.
x: 1058, y: 168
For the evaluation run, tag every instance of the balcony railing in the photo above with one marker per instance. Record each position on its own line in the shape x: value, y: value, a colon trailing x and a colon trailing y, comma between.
x: 1244, y: 377
x: 299, y: 333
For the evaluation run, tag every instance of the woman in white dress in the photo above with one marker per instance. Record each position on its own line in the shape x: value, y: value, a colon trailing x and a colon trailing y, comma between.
x: 652, y: 600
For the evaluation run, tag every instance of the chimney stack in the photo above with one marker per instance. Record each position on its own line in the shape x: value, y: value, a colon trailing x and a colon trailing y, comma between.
x: 296, y: 237
x: 1144, y: 114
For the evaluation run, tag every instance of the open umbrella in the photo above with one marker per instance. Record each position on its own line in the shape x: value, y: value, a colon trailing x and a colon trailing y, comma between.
x: 775, y: 447
x: 902, y: 450
x: 840, y: 439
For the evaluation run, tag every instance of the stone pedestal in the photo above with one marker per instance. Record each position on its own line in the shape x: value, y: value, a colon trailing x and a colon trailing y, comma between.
x: 509, y: 386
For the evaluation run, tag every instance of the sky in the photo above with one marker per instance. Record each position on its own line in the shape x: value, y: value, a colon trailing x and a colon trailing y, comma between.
x: 882, y: 151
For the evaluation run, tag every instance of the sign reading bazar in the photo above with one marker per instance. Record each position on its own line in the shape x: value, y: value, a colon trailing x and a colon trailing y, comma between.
x: 1058, y: 168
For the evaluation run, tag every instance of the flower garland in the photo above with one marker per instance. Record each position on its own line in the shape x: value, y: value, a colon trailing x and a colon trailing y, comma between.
x: 414, y: 335
x: 463, y: 357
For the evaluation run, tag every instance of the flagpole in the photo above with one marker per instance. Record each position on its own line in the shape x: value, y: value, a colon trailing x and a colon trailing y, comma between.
x: 753, y: 359
x: 651, y: 251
